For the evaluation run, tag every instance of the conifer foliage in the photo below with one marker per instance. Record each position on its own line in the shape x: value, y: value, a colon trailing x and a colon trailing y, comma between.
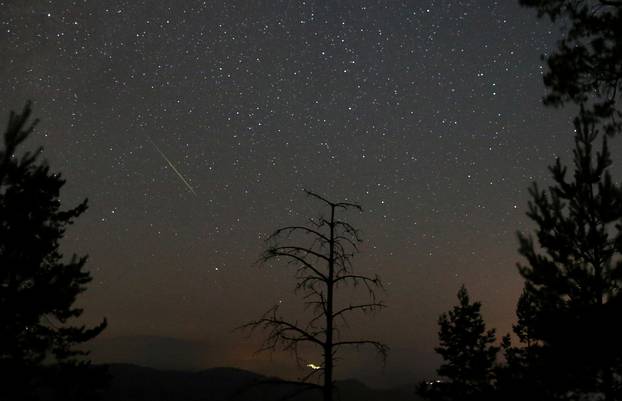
x: 468, y: 352
x: 570, y: 307
x: 587, y: 64
x: 38, y: 286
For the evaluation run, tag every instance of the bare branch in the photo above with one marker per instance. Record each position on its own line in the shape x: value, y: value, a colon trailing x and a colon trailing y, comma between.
x: 348, y: 228
x: 297, y: 249
x: 381, y: 348
x: 291, y: 229
x: 280, y: 331
x: 376, y: 281
x: 271, y: 253
x: 365, y: 308
x: 305, y: 280
x: 348, y: 240
x: 346, y: 205
x: 342, y: 205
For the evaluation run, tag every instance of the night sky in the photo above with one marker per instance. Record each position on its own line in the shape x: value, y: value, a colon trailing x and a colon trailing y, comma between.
x: 193, y: 127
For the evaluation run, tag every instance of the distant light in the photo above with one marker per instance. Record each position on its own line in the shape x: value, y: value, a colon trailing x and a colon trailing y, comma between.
x: 313, y: 366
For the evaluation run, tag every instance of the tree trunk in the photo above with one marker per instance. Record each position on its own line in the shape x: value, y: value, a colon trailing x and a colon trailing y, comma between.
x: 328, y: 346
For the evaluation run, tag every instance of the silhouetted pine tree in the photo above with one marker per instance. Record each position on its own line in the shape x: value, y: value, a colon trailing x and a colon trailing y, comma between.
x: 587, y: 64
x: 38, y: 287
x: 468, y: 355
x: 570, y: 310
x: 520, y: 377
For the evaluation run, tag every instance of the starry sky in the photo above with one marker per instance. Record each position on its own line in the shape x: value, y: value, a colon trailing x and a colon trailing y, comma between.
x: 193, y: 127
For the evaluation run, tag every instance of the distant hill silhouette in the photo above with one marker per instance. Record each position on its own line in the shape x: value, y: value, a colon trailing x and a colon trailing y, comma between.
x: 136, y: 383
x: 165, y: 353
x: 170, y: 353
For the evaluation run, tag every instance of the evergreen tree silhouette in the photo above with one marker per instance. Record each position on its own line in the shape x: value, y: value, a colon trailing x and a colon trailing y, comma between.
x: 521, y: 377
x: 320, y: 253
x: 468, y: 355
x: 570, y: 308
x: 587, y: 65
x: 38, y: 287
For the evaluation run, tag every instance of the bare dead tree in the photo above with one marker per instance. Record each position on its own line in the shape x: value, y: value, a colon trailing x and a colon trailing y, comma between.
x: 321, y: 253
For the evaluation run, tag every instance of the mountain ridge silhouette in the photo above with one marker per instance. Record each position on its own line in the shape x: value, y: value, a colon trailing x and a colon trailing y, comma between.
x: 129, y: 382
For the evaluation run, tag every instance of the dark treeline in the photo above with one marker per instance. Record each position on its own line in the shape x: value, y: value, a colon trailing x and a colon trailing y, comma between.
x: 566, y: 342
x: 567, y: 337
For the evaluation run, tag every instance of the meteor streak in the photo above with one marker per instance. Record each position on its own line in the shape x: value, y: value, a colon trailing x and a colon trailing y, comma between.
x: 181, y: 177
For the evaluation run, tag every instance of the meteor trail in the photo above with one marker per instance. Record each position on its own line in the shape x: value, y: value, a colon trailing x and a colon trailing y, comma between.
x: 181, y: 177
